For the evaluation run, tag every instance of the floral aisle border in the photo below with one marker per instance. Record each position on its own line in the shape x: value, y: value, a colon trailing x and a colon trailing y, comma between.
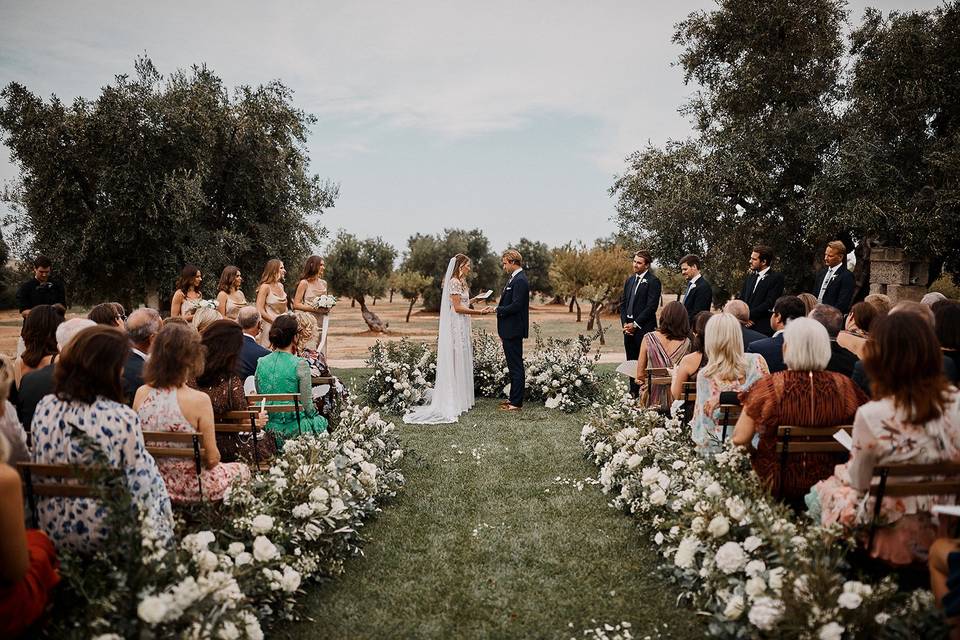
x: 560, y: 372
x: 295, y: 522
x: 737, y: 555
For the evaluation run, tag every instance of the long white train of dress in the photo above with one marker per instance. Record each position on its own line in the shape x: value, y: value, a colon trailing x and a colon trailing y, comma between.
x: 452, y: 393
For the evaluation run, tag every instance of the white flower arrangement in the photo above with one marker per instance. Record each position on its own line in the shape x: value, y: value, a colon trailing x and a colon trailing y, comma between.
x: 736, y: 553
x: 403, y: 372
x: 323, y: 302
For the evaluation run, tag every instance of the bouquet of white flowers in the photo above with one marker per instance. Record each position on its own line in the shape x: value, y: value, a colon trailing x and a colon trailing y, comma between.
x: 207, y: 304
x: 323, y: 302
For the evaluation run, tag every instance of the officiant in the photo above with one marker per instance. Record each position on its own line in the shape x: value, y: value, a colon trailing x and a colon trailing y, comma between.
x: 638, y: 308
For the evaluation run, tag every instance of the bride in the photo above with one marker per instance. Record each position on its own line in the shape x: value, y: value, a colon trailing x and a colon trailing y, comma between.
x: 453, y: 392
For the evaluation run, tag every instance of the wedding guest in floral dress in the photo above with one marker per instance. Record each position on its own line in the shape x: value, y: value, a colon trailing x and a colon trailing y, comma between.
x: 283, y: 372
x: 805, y: 395
x: 271, y: 297
x: 311, y: 287
x: 728, y: 369
x: 187, y: 297
x: 663, y: 348
x: 166, y: 403
x: 230, y: 298
x: 223, y: 341
x: 915, y: 419
x: 88, y: 401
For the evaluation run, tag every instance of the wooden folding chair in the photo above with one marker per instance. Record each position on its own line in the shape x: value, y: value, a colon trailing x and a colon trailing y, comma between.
x: 690, y: 393
x: 177, y: 445
x: 941, y: 478
x: 657, y: 377
x: 62, y: 480
x: 276, y: 403
x: 241, y: 422
x: 729, y: 414
x: 799, y: 440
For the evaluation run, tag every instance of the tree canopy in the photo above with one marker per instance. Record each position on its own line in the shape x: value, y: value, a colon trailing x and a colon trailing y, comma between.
x: 430, y: 254
x: 359, y: 268
x: 122, y: 190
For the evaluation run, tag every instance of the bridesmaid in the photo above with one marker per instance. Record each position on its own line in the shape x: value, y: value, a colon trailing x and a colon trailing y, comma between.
x: 187, y: 297
x: 230, y: 299
x: 311, y: 287
x: 271, y: 297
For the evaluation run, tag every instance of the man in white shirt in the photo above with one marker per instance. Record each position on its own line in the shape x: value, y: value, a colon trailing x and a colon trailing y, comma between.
x: 761, y: 288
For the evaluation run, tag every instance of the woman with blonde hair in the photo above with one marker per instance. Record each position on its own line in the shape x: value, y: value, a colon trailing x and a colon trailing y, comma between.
x: 204, y: 317
x: 809, y: 301
x: 728, y: 369
x: 272, y: 299
x: 311, y: 286
x: 230, y: 298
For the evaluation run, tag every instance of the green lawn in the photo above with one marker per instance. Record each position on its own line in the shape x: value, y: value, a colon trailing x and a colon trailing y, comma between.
x: 486, y: 542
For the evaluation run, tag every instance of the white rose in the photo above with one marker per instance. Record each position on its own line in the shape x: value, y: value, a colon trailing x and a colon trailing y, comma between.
x: 658, y: 497
x: 649, y: 476
x: 207, y: 561
x: 242, y: 559
x: 765, y: 612
x: 290, y: 581
x: 755, y: 587
x: 858, y: 587
x: 850, y: 600
x: 713, y: 490
x: 755, y: 568
x: 734, y: 608
x: 882, y: 618
x: 831, y: 631
x: 686, y: 552
x: 236, y: 548
x: 697, y: 524
x: 228, y: 631
x: 302, y: 511
x: 658, y: 538
x: 252, y: 626
x: 730, y: 558
x: 319, y: 495
x: 152, y: 609
x: 736, y: 508
x: 752, y: 543
x: 634, y: 461
x: 718, y: 527
x: 261, y: 525
x: 679, y: 464
x: 776, y: 578
x: 552, y: 403
x: 337, y: 506
x: 264, y: 550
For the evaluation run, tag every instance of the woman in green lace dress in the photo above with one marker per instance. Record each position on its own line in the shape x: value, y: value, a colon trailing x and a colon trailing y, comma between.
x: 284, y: 372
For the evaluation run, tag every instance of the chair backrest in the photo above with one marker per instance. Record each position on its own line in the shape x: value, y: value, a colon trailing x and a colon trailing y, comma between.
x: 796, y: 440
x: 322, y: 346
x: 176, y: 444
x: 275, y: 402
x: 729, y: 414
x: 60, y: 480
x: 941, y: 478
x: 658, y: 376
x: 236, y: 422
x: 690, y: 391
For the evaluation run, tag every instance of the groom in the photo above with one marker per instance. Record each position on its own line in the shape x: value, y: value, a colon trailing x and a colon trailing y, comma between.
x: 513, y: 318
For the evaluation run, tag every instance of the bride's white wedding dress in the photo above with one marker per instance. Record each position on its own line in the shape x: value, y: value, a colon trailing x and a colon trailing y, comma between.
x: 452, y: 393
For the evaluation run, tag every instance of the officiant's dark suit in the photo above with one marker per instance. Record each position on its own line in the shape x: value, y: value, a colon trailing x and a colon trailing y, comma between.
x: 638, y: 309
x: 513, y: 322
x: 760, y: 297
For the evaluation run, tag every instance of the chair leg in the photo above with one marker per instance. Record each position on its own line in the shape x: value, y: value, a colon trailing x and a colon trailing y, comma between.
x: 31, y: 499
x: 198, y: 464
x: 256, y: 449
x: 877, y: 508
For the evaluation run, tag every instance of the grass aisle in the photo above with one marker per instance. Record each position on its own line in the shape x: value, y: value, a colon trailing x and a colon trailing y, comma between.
x: 484, y: 542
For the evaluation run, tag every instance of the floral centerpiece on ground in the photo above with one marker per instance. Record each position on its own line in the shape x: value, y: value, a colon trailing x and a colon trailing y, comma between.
x: 403, y: 372
x: 562, y: 372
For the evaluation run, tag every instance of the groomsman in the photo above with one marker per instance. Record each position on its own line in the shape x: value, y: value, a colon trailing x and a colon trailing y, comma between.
x: 761, y: 289
x: 834, y: 283
x: 638, y: 308
x: 699, y: 295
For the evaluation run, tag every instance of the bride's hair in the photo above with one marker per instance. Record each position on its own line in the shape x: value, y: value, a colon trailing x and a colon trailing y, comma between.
x: 458, y: 265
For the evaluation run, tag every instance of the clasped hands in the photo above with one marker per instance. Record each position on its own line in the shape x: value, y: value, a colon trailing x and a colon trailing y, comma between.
x: 629, y: 328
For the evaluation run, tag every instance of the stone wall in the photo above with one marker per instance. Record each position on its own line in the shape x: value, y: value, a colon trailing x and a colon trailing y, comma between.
x: 893, y: 273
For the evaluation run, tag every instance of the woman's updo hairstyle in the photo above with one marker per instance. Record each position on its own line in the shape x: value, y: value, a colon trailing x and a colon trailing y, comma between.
x: 283, y: 331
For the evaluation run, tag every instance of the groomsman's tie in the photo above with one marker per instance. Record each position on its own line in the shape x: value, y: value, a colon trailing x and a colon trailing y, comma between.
x: 826, y: 283
x: 690, y: 288
x: 633, y: 296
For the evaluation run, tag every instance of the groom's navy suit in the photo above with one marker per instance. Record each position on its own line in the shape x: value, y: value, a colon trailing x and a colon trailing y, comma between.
x: 513, y: 321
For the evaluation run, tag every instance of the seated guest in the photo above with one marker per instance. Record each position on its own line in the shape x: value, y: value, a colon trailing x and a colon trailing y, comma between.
x: 177, y: 320
x: 249, y: 320
x: 785, y: 309
x: 728, y: 369
x: 39, y: 383
x: 39, y: 338
x: 805, y: 395
x: 10, y: 426
x: 88, y: 397
x: 219, y: 380
x: 166, y: 403
x: 924, y: 312
x: 881, y: 302
x: 946, y: 318
x: 855, y: 334
x: 142, y: 327
x: 809, y: 302
x: 106, y: 314
x: 739, y: 310
x: 841, y: 360
x: 283, y: 372
x: 230, y: 298
x: 691, y: 363
x: 204, y: 317
x: 914, y: 419
x: 663, y: 348
x: 932, y: 298
x: 28, y: 560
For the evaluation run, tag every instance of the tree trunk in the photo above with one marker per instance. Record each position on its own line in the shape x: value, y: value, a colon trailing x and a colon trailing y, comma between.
x: 410, y: 309
x: 373, y: 322
x: 600, y: 325
x: 573, y: 301
x: 578, y: 308
x: 557, y: 300
x: 353, y: 303
x: 391, y: 298
x: 374, y: 302
x: 592, y: 316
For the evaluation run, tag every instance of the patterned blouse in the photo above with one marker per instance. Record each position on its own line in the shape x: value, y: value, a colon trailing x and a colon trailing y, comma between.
x: 705, y: 423
x: 78, y: 523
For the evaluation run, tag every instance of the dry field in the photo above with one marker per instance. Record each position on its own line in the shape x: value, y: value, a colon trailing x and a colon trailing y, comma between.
x: 349, y: 338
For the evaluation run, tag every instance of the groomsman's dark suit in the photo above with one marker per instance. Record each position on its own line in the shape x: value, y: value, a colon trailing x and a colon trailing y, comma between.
x: 760, y: 297
x: 839, y: 291
x: 513, y: 325
x: 641, y: 298
x: 132, y: 375
x: 697, y: 299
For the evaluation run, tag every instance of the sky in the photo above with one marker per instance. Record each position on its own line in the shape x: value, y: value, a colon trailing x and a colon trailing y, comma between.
x: 512, y: 117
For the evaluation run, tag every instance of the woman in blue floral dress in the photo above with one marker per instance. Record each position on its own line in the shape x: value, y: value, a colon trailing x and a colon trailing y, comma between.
x: 86, y: 413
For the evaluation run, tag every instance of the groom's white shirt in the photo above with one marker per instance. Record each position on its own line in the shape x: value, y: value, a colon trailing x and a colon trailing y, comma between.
x: 514, y: 274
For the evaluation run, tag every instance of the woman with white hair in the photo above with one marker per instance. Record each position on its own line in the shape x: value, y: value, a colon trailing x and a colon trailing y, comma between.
x: 728, y: 369
x: 805, y: 395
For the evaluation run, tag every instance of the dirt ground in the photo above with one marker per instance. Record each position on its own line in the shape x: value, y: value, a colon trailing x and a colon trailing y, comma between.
x: 349, y: 338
